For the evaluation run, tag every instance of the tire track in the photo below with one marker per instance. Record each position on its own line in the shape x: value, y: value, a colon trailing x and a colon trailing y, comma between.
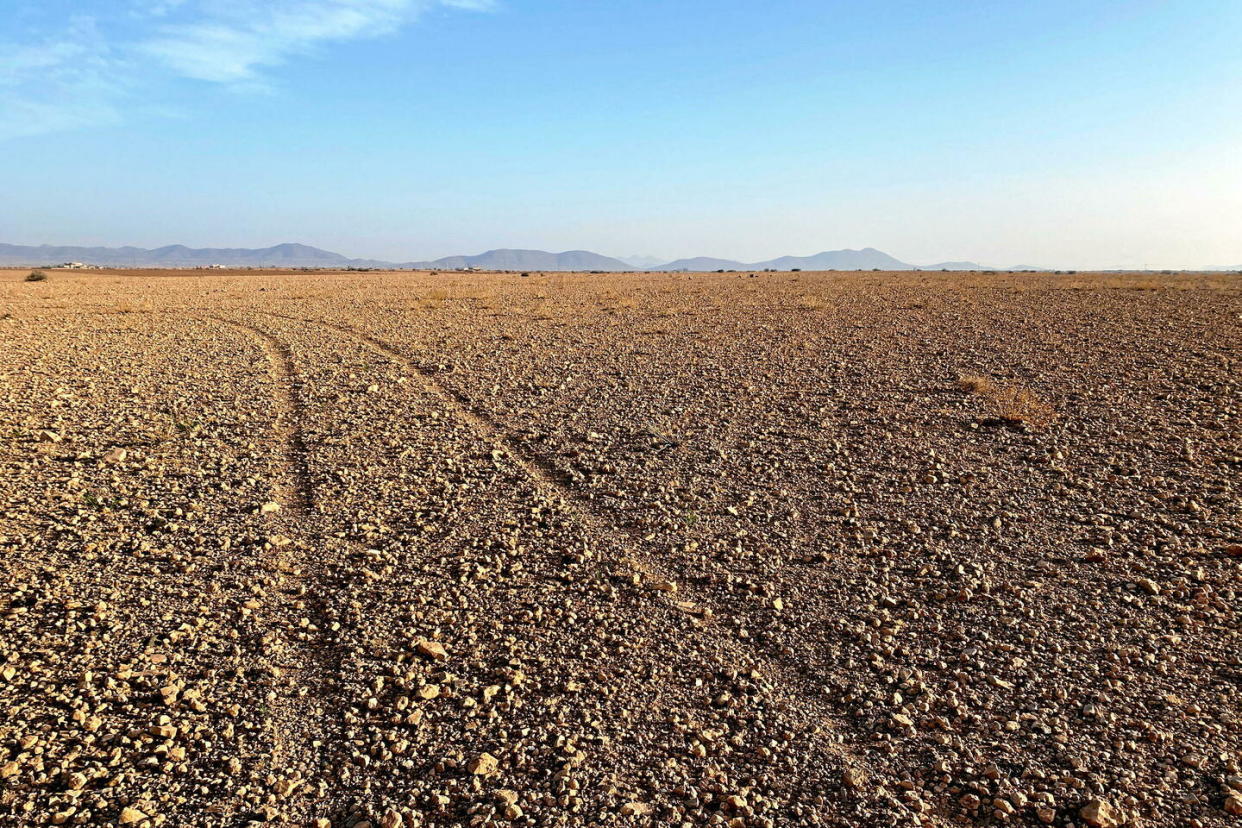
x: 301, y: 658
x: 557, y: 487
x: 294, y: 490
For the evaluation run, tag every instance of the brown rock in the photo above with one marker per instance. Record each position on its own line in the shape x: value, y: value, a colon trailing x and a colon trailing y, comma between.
x: 433, y: 650
x: 1099, y: 813
x: 854, y: 779
x: 483, y: 764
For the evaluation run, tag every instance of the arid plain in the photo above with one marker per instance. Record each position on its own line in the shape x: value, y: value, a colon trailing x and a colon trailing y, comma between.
x: 839, y: 549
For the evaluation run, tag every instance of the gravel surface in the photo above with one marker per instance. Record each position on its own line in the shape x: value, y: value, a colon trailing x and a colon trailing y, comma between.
x: 838, y: 549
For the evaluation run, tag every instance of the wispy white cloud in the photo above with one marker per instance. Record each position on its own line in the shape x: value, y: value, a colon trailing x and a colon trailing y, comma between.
x: 230, y: 42
x: 62, y: 82
x: 155, y: 8
x: 80, y: 77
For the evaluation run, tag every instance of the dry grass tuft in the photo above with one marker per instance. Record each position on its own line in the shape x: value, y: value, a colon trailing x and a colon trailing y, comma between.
x: 434, y: 299
x: 1011, y: 403
x: 976, y: 385
x: 1020, y: 405
x: 615, y: 303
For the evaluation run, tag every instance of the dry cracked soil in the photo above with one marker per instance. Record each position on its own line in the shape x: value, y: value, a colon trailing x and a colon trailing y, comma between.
x: 363, y: 550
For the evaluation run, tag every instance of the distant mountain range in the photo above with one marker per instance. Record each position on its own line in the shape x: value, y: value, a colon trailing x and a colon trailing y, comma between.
x: 301, y: 255
x: 297, y: 255
x: 866, y: 259
x: 572, y: 260
x: 178, y: 255
x: 642, y: 262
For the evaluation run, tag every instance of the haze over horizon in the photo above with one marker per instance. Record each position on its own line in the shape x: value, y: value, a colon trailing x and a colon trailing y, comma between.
x: 403, y: 130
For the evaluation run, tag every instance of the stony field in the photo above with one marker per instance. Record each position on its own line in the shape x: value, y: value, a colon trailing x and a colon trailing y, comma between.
x: 840, y: 549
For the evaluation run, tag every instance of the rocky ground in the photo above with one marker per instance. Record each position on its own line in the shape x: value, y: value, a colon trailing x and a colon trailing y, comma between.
x: 386, y: 550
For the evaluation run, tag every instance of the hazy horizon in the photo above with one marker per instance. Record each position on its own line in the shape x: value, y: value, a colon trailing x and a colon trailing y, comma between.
x: 650, y: 263
x: 408, y: 130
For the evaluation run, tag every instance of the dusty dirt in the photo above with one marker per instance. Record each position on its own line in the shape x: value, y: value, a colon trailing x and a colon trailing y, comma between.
x: 852, y: 549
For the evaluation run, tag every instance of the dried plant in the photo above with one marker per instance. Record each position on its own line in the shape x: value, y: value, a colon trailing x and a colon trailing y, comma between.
x: 1011, y: 403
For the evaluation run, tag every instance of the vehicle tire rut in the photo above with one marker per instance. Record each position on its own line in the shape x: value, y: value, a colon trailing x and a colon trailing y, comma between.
x: 800, y: 688
x: 302, y: 657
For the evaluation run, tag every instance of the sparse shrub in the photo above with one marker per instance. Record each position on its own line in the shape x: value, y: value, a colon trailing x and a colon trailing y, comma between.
x: 1020, y: 405
x: 614, y: 303
x: 433, y: 300
x: 976, y: 385
x: 37, y: 276
x: 1010, y: 403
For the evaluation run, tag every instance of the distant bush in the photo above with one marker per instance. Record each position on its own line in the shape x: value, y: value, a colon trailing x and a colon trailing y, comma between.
x: 37, y: 276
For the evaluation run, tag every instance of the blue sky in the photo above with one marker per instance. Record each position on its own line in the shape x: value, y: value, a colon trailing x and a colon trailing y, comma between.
x: 1070, y: 134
